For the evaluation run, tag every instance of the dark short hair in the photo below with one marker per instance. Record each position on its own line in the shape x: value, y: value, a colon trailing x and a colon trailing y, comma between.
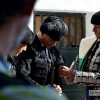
x: 96, y: 18
x: 54, y: 27
x: 29, y: 36
x: 10, y: 8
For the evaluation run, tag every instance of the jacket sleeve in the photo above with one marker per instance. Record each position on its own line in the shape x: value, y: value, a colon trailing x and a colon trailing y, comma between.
x: 58, y: 61
x: 23, y: 67
x: 87, y: 78
x: 75, y: 63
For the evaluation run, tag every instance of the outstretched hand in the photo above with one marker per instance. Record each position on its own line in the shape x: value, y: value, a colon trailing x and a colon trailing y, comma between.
x: 69, y: 80
x: 58, y: 89
x: 67, y: 73
x: 64, y: 71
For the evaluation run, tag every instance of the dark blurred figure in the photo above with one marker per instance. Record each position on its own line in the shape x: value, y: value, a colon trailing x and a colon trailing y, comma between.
x: 12, y: 57
x: 14, y: 16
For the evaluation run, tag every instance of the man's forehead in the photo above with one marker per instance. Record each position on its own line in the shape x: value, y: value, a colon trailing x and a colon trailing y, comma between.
x: 49, y: 37
x: 96, y: 25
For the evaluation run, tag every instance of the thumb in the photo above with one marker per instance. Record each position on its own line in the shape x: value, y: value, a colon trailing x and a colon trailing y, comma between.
x: 54, y: 85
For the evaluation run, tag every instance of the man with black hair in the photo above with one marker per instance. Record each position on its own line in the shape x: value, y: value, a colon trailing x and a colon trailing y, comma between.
x: 42, y: 57
x: 86, y: 69
x: 14, y: 15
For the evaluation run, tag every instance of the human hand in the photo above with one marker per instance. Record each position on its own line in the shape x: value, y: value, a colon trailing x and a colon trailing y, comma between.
x: 65, y: 71
x: 58, y: 89
x: 69, y: 80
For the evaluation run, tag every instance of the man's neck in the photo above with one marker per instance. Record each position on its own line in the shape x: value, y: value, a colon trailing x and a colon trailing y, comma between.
x: 39, y: 37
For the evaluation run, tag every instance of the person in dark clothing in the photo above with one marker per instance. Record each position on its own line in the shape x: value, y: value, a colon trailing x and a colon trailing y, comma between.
x: 12, y: 57
x: 28, y: 39
x: 41, y: 60
x: 14, y: 16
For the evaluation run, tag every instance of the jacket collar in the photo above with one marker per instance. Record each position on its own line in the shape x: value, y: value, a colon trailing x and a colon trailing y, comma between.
x: 37, y: 42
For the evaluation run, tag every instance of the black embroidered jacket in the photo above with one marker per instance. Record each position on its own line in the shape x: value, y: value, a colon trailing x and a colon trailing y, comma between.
x: 35, y: 66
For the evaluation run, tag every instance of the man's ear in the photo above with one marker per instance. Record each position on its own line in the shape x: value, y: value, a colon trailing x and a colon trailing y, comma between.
x: 28, y: 9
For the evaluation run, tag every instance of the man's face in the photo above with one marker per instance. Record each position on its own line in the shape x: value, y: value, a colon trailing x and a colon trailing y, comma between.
x: 96, y: 30
x: 47, y: 41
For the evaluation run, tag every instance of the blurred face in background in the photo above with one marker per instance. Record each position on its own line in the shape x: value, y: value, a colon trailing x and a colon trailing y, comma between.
x: 17, y: 26
x: 96, y: 30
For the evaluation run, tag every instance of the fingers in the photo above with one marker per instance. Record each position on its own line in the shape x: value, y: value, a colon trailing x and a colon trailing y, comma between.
x: 61, y: 74
x: 69, y: 80
x: 58, y: 89
x: 54, y: 85
x: 62, y: 68
x: 64, y: 71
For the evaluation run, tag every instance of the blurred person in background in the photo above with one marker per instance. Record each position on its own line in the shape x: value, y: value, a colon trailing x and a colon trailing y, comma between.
x: 14, y: 16
x: 12, y: 57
